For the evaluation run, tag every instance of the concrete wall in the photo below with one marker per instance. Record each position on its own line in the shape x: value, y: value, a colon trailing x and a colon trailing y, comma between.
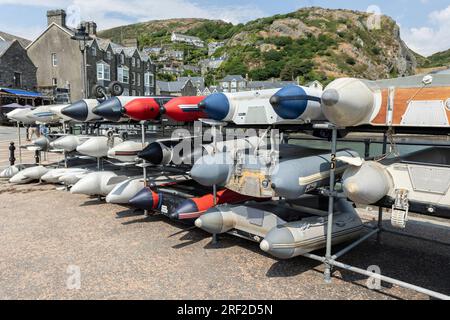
x: 68, y: 71
x: 15, y: 59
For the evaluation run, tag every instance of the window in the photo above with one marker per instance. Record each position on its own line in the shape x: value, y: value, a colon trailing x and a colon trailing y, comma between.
x: 123, y: 74
x: 103, y: 71
x: 138, y: 62
x: 133, y: 93
x: 133, y: 62
x: 148, y: 79
x: 138, y: 75
x: 133, y: 78
x: 94, y: 51
x: 147, y: 91
x: 17, y: 80
x: 122, y: 58
x: 108, y: 55
x: 54, y: 82
x: 54, y: 60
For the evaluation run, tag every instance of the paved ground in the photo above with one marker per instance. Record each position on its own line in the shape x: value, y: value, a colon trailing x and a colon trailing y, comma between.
x: 10, y: 134
x: 46, y: 235
x: 43, y: 232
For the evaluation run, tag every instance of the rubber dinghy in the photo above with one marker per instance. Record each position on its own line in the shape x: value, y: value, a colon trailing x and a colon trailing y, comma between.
x: 417, y: 182
x: 284, y: 230
x: 11, y: 171
x: 29, y: 174
x: 299, y: 171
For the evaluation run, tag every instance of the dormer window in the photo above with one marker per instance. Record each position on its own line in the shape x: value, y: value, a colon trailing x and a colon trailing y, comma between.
x: 138, y: 62
x: 133, y: 62
x: 108, y: 55
x: 122, y: 58
x: 94, y: 51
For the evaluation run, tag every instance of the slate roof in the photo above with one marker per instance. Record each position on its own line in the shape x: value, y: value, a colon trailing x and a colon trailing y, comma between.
x: 233, y: 77
x: 117, y: 48
x: 194, y: 81
x: 171, y: 86
x: 9, y: 37
x: 4, y: 46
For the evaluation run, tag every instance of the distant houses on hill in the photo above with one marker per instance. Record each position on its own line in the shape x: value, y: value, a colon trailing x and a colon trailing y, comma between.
x: 191, y: 86
x: 195, y: 41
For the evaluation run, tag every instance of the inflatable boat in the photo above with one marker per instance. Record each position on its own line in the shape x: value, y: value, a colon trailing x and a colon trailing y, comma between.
x: 286, y: 229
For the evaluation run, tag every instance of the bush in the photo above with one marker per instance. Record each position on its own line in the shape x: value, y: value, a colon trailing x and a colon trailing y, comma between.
x: 295, y: 68
x: 350, y: 61
x: 272, y: 55
x: 376, y: 50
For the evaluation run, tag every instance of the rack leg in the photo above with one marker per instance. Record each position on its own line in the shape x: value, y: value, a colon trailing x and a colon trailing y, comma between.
x: 214, y: 239
x: 380, y: 210
x: 20, y: 143
x: 144, y: 168
x: 328, y: 258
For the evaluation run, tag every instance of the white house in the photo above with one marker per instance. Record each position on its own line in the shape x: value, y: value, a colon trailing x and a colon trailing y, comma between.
x: 195, y: 41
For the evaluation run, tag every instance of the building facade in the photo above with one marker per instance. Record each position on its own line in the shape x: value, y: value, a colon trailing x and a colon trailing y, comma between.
x: 59, y: 62
x: 233, y: 83
x: 16, y: 68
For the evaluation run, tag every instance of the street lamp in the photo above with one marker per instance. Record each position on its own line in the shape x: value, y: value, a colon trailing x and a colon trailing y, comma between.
x: 82, y: 37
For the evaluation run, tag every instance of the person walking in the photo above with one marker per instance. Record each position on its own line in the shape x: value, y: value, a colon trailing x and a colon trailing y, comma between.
x: 33, y: 130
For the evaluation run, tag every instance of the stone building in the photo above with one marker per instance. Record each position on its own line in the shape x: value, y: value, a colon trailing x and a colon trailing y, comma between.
x: 16, y: 68
x: 59, y: 61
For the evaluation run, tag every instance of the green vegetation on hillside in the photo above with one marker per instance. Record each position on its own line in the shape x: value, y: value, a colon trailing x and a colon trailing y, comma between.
x: 311, y: 43
x: 439, y: 59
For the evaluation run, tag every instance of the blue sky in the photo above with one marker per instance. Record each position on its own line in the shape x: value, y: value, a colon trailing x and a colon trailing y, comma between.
x: 425, y: 24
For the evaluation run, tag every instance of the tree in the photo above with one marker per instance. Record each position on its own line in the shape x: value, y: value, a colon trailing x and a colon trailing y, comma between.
x: 235, y: 65
x: 296, y: 67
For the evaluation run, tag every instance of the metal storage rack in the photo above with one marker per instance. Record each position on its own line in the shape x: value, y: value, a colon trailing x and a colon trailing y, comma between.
x: 330, y: 260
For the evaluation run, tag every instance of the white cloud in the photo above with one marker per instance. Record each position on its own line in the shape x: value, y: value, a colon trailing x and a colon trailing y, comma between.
x: 144, y: 10
x: 155, y: 9
x: 430, y: 39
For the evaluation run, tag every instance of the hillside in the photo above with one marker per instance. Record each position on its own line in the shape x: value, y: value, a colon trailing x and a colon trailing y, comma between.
x: 438, y: 59
x: 313, y: 43
x: 158, y: 31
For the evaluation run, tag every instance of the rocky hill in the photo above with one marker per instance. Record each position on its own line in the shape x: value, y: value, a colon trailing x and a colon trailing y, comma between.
x: 312, y: 43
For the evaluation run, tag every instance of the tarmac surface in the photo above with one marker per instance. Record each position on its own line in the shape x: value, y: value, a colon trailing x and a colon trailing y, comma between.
x: 56, y: 245
x: 49, y: 236
x: 10, y: 134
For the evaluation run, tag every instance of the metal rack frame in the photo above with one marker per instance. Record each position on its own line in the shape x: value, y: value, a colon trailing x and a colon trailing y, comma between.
x: 330, y: 260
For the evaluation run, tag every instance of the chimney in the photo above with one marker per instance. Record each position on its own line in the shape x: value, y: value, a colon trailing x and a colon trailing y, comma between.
x: 91, y: 27
x: 57, y: 16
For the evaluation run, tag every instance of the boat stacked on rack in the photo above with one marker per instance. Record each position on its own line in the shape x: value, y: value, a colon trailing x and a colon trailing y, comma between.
x: 256, y: 184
